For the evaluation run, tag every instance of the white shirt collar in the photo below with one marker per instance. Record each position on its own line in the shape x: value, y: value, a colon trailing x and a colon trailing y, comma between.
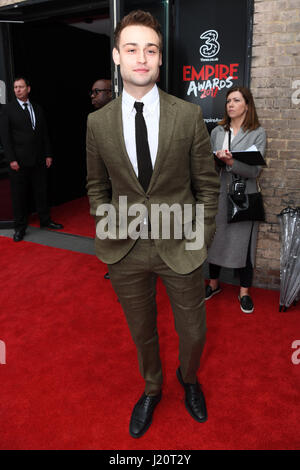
x: 150, y: 100
x: 23, y: 102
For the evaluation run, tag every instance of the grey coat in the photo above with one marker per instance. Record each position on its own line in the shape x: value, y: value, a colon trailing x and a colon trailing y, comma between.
x: 231, y: 241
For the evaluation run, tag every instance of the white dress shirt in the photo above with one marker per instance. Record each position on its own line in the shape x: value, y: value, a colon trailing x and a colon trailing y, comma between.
x: 30, y: 109
x: 151, y: 116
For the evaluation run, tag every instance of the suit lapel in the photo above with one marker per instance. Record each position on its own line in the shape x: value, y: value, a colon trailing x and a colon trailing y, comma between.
x: 239, y: 136
x: 20, y: 110
x: 234, y: 142
x: 220, y: 139
x: 36, y: 114
x: 166, y: 128
x: 117, y: 123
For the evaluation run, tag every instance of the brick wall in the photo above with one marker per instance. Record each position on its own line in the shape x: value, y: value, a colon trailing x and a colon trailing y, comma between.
x: 275, y: 84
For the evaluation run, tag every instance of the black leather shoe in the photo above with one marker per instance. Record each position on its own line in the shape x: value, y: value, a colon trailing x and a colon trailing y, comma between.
x: 194, y: 399
x: 19, y: 235
x: 52, y: 225
x: 106, y: 276
x: 141, y: 417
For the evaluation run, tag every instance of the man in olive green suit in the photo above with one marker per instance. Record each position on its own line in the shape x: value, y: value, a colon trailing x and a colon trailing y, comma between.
x: 181, y: 173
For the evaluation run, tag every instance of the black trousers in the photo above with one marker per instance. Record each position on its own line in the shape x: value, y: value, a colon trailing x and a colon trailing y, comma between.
x: 245, y: 274
x: 21, y: 182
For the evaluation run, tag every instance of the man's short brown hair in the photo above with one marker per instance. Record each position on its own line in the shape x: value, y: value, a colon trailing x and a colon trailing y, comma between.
x: 140, y: 18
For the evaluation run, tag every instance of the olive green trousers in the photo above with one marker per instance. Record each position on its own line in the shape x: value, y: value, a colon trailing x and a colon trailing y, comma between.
x: 134, y: 281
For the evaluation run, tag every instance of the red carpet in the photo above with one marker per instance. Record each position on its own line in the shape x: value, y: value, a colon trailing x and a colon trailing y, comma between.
x: 71, y: 379
x: 75, y: 217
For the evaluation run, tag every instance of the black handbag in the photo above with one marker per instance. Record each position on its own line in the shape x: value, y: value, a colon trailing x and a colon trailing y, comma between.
x: 243, y: 207
x: 252, y: 208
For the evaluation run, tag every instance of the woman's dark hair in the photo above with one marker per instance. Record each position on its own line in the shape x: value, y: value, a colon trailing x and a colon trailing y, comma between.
x: 251, y: 121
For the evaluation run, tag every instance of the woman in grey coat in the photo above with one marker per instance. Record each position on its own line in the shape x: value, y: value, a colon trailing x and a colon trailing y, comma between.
x: 234, y: 245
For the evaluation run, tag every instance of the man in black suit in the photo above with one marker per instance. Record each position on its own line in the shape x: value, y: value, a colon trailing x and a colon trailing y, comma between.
x: 27, y: 148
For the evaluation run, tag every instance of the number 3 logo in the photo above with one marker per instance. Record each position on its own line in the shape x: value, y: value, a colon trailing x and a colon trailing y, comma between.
x: 211, y: 46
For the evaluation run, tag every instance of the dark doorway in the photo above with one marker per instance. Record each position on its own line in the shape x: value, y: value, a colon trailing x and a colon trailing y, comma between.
x: 61, y: 63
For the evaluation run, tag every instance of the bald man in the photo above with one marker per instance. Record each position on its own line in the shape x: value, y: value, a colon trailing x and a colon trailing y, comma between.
x: 101, y: 93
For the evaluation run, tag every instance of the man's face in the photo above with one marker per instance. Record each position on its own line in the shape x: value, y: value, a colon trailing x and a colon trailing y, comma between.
x: 101, y: 93
x: 21, y: 90
x: 139, y: 58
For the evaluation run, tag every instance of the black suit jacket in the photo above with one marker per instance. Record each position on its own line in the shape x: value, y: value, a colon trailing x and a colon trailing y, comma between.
x: 21, y: 143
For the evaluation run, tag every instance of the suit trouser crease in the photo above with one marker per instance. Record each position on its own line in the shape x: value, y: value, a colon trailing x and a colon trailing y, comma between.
x: 134, y: 280
x: 21, y: 182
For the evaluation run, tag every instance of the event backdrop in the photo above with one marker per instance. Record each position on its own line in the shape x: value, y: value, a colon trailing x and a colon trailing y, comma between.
x: 212, y: 50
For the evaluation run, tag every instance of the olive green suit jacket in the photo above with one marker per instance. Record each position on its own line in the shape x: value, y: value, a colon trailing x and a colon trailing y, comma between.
x: 184, y: 173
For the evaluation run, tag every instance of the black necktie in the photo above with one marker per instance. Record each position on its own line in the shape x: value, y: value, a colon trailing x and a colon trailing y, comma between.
x: 27, y: 113
x: 142, y: 147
